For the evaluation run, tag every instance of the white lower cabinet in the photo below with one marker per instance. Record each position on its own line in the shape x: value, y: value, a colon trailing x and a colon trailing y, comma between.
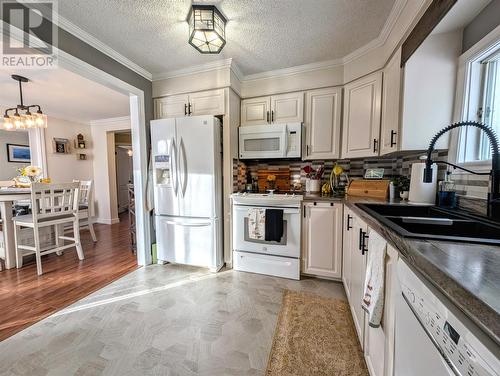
x: 358, y: 268
x: 322, y: 239
x: 377, y: 343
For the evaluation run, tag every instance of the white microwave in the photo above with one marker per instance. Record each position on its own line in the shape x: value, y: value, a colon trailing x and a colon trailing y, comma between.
x: 271, y: 141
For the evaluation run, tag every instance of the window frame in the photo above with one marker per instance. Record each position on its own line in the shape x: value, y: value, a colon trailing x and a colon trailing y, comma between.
x: 467, y: 102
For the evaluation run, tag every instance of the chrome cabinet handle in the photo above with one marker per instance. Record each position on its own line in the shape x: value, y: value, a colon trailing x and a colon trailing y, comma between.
x: 272, y: 116
x: 375, y: 142
x: 267, y: 117
x: 349, y: 218
x: 185, y: 109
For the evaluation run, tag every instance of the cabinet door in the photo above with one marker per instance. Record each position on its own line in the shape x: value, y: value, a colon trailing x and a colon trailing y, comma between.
x: 362, y: 117
x: 210, y: 102
x: 171, y: 107
x: 389, y: 131
x: 322, y: 123
x: 347, y: 240
x: 375, y: 354
x: 255, y: 111
x: 323, y: 240
x: 287, y: 108
x: 358, y: 268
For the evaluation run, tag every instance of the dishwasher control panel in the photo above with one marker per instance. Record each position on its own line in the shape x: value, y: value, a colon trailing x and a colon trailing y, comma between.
x: 463, y: 352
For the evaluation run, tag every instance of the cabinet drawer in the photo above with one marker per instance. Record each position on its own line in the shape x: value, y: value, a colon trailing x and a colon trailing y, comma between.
x: 263, y: 264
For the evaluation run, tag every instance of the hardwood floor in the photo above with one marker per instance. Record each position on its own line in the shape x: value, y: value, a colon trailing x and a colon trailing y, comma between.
x: 26, y: 298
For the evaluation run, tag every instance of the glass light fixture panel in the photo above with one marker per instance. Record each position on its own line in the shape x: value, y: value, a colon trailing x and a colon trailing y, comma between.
x: 8, y: 124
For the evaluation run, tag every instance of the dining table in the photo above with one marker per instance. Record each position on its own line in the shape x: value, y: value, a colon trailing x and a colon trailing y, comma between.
x: 8, y: 196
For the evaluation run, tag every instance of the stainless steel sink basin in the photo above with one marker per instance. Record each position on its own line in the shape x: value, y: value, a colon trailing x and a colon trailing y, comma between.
x: 430, y: 222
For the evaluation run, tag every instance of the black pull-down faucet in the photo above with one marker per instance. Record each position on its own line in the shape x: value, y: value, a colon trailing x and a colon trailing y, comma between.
x: 494, y: 194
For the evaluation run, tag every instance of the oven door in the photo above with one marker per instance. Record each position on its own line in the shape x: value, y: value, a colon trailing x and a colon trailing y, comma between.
x: 289, y: 246
x: 263, y: 141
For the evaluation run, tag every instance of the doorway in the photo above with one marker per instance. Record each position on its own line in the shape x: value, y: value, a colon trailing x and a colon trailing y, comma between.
x: 124, y: 171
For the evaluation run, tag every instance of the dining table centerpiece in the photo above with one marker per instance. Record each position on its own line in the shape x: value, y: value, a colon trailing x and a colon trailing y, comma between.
x: 28, y: 175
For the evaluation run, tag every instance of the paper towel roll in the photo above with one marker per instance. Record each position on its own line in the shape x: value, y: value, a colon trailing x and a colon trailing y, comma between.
x: 422, y: 193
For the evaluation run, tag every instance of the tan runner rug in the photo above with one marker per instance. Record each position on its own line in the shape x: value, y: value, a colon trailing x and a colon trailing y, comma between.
x: 315, y: 336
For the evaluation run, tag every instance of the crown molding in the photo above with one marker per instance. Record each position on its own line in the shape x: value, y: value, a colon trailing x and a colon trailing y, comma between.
x: 84, y: 36
x: 201, y: 68
x: 112, y: 121
x: 311, y: 67
x: 328, y: 64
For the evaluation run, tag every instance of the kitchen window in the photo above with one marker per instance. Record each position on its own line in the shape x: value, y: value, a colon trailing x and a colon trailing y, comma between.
x: 481, y: 103
x: 489, y: 112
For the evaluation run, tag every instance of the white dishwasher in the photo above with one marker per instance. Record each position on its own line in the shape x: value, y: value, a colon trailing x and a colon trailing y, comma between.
x: 435, y: 338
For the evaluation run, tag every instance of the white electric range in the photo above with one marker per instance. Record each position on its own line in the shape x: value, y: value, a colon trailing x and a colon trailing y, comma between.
x: 281, y: 259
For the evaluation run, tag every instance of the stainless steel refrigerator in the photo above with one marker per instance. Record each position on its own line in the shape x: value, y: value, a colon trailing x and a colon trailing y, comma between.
x: 187, y: 174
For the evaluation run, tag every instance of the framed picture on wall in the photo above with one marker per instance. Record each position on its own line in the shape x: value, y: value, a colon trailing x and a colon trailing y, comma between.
x: 60, y: 145
x: 18, y: 153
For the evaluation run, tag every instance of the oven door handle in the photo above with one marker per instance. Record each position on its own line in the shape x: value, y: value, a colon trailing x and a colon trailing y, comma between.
x: 431, y: 337
x: 285, y: 210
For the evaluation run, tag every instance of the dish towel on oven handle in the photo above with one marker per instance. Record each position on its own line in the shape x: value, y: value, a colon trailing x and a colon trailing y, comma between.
x: 373, y: 299
x: 256, y: 223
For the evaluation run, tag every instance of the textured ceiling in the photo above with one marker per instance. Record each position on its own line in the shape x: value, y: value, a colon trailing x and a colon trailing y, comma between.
x: 262, y: 35
x: 64, y: 95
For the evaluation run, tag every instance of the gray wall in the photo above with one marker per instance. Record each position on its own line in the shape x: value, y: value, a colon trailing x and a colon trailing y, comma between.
x: 487, y: 20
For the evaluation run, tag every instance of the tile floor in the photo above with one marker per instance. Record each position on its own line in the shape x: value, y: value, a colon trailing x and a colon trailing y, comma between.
x: 160, y: 320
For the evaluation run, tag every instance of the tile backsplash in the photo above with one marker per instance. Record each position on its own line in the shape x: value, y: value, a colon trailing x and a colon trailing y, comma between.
x: 394, y: 165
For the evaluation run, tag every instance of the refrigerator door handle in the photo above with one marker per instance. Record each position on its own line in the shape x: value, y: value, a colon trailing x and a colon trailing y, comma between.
x: 182, y: 157
x: 194, y: 224
x: 173, y: 165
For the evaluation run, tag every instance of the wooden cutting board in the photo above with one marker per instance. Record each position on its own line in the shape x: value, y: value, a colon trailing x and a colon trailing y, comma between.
x: 369, y: 188
x: 282, y: 179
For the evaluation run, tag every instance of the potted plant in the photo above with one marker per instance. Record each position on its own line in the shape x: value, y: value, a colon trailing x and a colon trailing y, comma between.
x: 402, y: 183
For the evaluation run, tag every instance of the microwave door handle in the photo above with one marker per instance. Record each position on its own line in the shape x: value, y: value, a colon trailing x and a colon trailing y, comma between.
x: 285, y: 141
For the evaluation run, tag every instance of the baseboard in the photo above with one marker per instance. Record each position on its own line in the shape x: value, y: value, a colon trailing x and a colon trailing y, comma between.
x: 107, y: 221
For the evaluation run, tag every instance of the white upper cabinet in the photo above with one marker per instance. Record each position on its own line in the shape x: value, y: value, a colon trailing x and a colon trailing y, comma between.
x: 283, y: 108
x: 322, y: 251
x: 391, y: 95
x: 210, y: 102
x: 171, y: 107
x: 256, y: 111
x: 361, y: 126
x: 323, y: 123
x: 287, y: 108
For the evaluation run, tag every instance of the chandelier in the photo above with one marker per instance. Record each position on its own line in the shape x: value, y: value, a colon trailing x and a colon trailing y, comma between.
x: 207, y: 29
x: 26, y: 120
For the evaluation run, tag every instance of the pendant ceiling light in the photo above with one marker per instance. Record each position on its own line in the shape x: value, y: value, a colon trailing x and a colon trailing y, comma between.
x: 26, y: 120
x: 207, y: 29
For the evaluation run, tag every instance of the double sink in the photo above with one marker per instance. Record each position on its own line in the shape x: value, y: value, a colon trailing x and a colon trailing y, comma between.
x: 431, y: 222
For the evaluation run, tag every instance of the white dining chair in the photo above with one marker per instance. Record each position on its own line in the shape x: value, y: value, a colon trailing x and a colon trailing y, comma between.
x: 51, y: 205
x: 86, y: 206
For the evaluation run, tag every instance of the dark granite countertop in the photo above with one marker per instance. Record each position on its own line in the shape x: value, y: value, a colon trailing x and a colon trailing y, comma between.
x: 468, y: 274
x: 318, y: 197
